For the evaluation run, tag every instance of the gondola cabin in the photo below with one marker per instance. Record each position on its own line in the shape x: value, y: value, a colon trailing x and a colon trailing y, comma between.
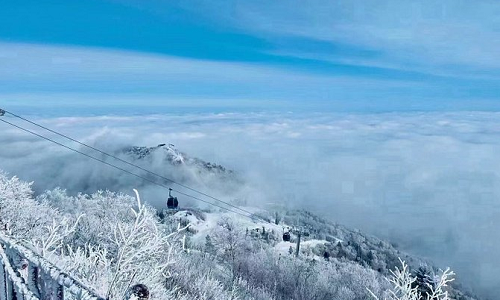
x: 286, y: 236
x: 172, y: 202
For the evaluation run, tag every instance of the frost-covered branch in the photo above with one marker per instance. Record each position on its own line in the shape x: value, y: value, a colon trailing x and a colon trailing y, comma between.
x: 438, y: 291
x: 52, y: 241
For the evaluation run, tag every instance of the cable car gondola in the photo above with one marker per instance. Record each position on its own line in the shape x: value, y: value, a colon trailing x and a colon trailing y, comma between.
x: 172, y: 202
x: 286, y: 235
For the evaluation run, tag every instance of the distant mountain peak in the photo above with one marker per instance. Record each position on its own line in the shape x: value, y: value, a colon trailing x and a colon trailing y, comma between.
x: 175, y: 157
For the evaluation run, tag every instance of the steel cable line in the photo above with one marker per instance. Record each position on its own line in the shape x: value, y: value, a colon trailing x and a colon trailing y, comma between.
x: 128, y: 163
x: 121, y: 169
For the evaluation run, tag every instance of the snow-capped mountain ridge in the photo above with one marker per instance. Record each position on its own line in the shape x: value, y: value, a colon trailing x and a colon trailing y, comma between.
x: 174, y: 157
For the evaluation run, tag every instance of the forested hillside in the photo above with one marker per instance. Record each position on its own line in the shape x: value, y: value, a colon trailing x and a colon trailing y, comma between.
x: 111, y: 241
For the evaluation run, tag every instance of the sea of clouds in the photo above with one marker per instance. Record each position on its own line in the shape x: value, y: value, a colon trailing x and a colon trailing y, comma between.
x: 429, y: 182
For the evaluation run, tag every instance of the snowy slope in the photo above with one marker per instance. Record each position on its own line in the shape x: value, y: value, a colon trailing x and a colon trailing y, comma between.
x: 340, y: 242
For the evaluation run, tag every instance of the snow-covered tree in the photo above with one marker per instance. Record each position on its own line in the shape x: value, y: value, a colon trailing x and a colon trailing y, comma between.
x: 425, y: 280
x: 229, y: 240
x: 20, y: 215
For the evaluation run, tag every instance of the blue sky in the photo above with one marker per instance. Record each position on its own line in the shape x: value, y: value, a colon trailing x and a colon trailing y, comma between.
x: 381, y: 55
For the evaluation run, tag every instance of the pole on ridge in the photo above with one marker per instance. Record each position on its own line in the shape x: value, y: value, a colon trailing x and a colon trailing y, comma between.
x: 297, y: 249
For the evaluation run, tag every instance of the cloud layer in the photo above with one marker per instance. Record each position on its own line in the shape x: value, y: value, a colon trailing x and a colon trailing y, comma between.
x: 429, y: 181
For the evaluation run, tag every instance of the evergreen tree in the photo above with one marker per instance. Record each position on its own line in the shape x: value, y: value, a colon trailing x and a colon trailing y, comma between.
x: 424, y: 281
x: 209, y: 246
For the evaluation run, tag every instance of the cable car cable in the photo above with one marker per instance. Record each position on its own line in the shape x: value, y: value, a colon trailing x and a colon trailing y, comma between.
x: 121, y: 169
x: 127, y: 162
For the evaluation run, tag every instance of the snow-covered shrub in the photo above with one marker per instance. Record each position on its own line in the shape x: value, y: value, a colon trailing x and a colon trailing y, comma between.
x: 51, y: 242
x: 291, y: 278
x: 143, y: 252
x: 92, y: 265
x: 203, y: 278
x: 405, y: 287
x: 20, y: 215
x: 136, y: 248
x: 109, y: 241
x: 102, y: 210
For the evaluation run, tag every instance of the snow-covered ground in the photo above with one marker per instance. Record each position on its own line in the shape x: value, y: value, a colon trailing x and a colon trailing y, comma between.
x: 202, y: 228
